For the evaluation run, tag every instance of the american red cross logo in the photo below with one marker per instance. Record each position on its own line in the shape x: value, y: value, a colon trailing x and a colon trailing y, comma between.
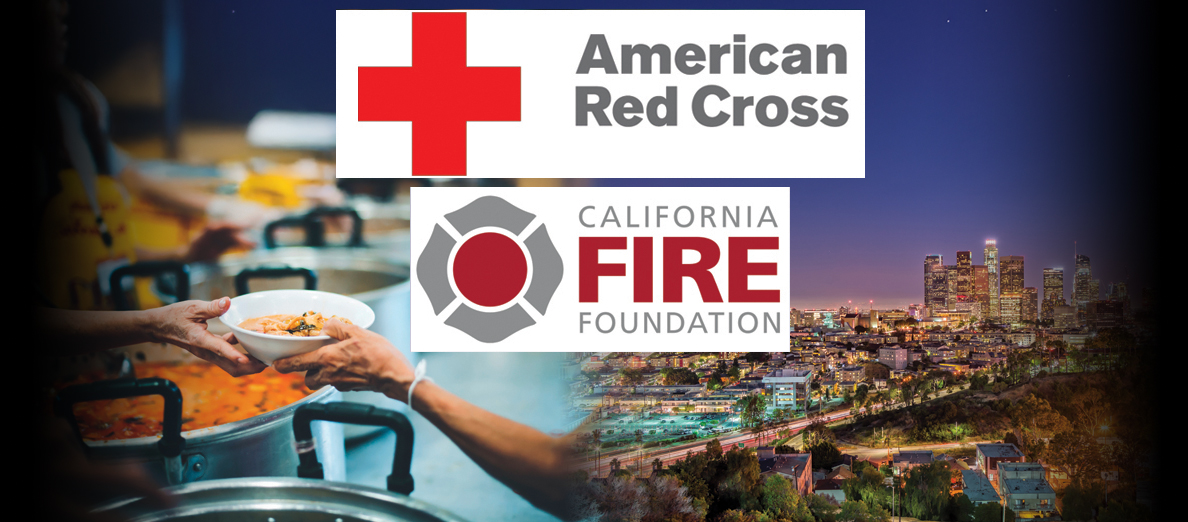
x: 439, y: 94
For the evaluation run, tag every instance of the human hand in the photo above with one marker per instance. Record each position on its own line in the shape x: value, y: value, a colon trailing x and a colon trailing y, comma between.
x: 246, y: 214
x: 215, y: 239
x: 361, y: 360
x: 184, y: 325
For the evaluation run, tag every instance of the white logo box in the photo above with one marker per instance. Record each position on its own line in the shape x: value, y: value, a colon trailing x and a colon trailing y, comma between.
x: 548, y: 46
x: 560, y: 211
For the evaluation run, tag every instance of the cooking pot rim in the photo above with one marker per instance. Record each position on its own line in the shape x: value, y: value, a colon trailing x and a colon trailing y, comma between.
x: 348, y: 495
x: 202, y: 435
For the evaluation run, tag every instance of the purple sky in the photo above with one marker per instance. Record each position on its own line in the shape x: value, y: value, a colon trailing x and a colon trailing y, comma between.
x: 985, y: 121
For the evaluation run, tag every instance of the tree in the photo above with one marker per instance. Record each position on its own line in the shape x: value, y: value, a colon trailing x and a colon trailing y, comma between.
x: 1036, y: 420
x: 1080, y: 499
x: 781, y: 500
x: 822, y: 507
x: 735, y: 373
x: 753, y: 409
x: 596, y: 439
x: 926, y: 490
x: 876, y: 370
x: 639, y: 450
x: 631, y: 376
x: 1078, y: 453
x: 678, y: 376
x: 961, y: 508
x: 1124, y: 511
x: 853, y: 511
x: 713, y: 449
x: 715, y: 382
x: 991, y: 512
x: 825, y: 454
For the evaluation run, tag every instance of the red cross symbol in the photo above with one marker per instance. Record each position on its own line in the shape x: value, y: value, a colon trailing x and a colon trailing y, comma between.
x: 439, y: 94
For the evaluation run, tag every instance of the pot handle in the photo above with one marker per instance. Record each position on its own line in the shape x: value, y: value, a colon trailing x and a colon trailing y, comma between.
x: 289, y: 222
x: 171, y: 443
x: 145, y: 269
x: 400, y: 481
x: 241, y: 279
x: 319, y: 237
x: 315, y: 228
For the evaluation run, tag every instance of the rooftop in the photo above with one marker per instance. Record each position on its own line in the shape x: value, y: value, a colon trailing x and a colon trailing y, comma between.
x: 913, y: 457
x: 1027, y: 486
x: 787, y: 464
x: 978, y: 487
x: 999, y: 451
x: 782, y: 372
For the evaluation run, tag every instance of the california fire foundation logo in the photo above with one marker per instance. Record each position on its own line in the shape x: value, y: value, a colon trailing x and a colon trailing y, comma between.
x: 494, y: 267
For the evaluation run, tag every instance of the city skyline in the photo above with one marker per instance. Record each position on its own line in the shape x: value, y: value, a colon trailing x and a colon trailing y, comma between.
x: 1033, y: 278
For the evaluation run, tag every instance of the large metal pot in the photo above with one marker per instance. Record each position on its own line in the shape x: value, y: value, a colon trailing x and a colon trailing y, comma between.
x: 259, y: 446
x: 357, y: 271
x: 381, y: 284
x: 300, y: 499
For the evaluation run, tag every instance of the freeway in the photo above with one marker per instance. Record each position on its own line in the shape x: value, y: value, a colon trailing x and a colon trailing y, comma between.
x: 675, y: 453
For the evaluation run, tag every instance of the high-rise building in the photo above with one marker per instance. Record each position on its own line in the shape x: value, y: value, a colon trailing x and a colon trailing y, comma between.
x: 981, y: 289
x: 991, y: 261
x: 1029, y: 306
x: 935, y: 283
x: 1104, y: 314
x: 964, y: 273
x: 1011, y: 274
x: 1053, y: 293
x: 1010, y: 306
x: 1085, y: 288
x: 951, y: 287
x: 1118, y: 293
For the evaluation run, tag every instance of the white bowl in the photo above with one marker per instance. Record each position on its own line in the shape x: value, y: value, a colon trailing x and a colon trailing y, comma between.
x: 268, y: 348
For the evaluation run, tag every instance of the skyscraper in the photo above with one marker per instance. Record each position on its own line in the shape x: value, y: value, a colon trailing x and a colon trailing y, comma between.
x: 1053, y: 293
x: 1029, y: 304
x: 1085, y: 288
x: 936, y: 283
x: 951, y: 288
x: 964, y: 273
x: 1010, y: 288
x: 981, y: 289
x: 1011, y: 271
x: 991, y: 262
x: 1011, y: 306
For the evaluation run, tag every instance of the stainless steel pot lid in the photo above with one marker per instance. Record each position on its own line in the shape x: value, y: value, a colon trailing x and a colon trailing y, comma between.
x: 282, y: 500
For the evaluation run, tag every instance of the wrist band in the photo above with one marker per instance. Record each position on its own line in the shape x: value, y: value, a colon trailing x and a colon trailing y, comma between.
x: 418, y: 376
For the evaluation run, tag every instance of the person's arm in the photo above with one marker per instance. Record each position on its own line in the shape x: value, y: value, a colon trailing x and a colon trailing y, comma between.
x: 530, y: 462
x: 70, y: 332
x: 164, y: 194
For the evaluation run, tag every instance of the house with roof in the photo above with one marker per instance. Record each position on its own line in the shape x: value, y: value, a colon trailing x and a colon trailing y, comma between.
x: 990, y: 455
x: 796, y: 467
x: 1026, y: 490
x: 978, y: 488
x: 905, y: 460
x: 840, y: 472
x: 830, y: 488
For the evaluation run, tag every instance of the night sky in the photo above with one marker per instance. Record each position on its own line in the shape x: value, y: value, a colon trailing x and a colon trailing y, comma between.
x: 1027, y: 122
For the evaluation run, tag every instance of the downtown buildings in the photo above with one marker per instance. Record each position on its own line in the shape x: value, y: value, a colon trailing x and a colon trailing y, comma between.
x: 996, y: 290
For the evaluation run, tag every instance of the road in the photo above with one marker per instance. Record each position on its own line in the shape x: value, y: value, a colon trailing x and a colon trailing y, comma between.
x: 671, y: 455
x: 628, y: 457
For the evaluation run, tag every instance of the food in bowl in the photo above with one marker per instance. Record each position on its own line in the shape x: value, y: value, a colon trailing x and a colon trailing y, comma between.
x: 307, y: 324
x: 268, y: 347
x: 210, y: 397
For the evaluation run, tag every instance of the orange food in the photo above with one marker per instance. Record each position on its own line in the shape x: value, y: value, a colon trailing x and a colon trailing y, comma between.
x: 210, y: 397
x: 307, y: 324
